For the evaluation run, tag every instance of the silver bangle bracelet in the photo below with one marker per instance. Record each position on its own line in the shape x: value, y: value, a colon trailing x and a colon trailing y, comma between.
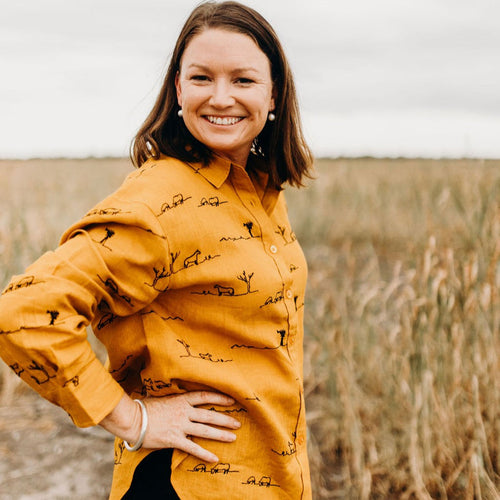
x: 144, y: 426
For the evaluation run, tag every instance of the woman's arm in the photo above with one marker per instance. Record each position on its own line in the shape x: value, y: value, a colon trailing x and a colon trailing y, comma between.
x: 171, y: 420
x: 44, y: 313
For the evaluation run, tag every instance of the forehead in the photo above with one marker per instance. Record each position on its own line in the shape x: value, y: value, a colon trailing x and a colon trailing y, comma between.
x: 217, y: 46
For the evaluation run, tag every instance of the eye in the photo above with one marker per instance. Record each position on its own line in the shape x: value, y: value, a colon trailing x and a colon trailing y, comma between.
x: 244, y: 81
x: 199, y: 78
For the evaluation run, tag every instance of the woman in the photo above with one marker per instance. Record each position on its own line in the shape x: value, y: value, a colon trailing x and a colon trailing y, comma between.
x: 193, y: 280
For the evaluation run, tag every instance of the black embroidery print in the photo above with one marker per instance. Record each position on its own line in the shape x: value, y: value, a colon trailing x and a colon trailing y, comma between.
x: 281, y: 333
x: 108, y: 317
x: 168, y: 318
x: 220, y: 468
x: 113, y: 287
x: 74, y: 380
x: 293, y: 268
x: 249, y: 227
x: 53, y: 317
x: 264, y: 481
x: 159, y: 275
x: 228, y: 291
x: 109, y: 234
x: 119, y: 449
x: 213, y: 201
x: 177, y: 201
x: 291, y: 445
x: 292, y: 449
x: 122, y: 365
x: 151, y: 386
x: 41, y: 372
x: 24, y: 282
x: 255, y: 398
x: 17, y: 369
x: 106, y: 320
x: 282, y: 232
x: 106, y: 211
x: 228, y: 411
x: 195, y: 259
x: 141, y: 170
x: 278, y: 297
x: 152, y: 232
x: 297, y: 307
x: 204, y: 356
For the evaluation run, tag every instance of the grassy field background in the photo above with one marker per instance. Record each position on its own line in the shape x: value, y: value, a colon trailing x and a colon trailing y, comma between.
x: 402, y: 313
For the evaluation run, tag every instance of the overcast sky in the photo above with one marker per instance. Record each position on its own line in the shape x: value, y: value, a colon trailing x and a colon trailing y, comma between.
x: 375, y: 77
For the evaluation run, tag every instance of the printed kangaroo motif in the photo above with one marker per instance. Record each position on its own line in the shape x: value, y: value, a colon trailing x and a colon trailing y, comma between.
x: 220, y: 468
x: 263, y: 481
x: 204, y: 356
x: 213, y: 201
x: 192, y: 260
x: 224, y: 290
x: 22, y: 283
x: 228, y: 291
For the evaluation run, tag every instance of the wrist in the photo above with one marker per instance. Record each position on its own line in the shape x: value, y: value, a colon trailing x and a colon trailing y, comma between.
x: 125, y: 420
x: 144, y: 426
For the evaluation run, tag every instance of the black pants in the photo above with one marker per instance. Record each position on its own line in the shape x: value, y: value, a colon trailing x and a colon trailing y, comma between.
x: 151, y: 479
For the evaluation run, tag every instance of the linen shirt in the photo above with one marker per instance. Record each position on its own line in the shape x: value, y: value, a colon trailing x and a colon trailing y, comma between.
x: 193, y: 279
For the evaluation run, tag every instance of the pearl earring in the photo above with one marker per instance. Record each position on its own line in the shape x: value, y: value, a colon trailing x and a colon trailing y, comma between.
x: 179, y: 113
x: 271, y: 117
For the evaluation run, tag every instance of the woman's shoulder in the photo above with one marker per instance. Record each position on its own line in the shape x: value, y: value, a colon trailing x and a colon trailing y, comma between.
x: 164, y: 168
x: 155, y: 179
x: 139, y: 199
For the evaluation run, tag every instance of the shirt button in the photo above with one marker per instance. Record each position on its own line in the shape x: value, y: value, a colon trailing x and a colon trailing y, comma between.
x: 273, y: 249
x: 289, y: 294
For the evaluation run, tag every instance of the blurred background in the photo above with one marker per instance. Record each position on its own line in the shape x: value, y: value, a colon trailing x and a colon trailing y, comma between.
x: 401, y: 228
x: 375, y: 77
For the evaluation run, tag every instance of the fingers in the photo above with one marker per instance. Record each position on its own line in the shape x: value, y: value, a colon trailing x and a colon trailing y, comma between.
x: 172, y: 419
x: 206, y: 397
x: 207, y: 432
x: 214, y: 418
x: 197, y: 451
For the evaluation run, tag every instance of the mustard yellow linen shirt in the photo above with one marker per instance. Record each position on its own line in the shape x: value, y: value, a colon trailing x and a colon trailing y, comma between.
x: 193, y: 279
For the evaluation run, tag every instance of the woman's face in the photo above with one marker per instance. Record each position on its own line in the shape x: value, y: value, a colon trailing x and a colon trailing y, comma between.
x: 225, y: 90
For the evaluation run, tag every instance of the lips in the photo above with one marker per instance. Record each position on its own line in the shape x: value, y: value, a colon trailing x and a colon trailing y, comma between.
x: 223, y: 120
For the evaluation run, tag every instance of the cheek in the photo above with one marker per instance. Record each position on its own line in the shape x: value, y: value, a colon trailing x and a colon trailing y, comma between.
x: 192, y: 98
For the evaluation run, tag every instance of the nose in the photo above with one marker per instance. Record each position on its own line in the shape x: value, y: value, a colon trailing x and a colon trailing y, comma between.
x: 221, y: 96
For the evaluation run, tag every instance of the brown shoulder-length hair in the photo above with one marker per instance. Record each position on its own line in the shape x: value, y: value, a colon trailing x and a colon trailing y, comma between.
x: 281, y: 142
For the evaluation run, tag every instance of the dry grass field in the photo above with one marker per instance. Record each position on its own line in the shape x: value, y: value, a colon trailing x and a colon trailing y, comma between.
x: 402, y: 368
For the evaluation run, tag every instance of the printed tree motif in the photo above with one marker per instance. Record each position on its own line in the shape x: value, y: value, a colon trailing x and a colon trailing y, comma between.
x: 281, y: 231
x: 53, y: 316
x: 246, y: 279
x: 109, y: 233
x: 41, y: 372
x: 249, y: 226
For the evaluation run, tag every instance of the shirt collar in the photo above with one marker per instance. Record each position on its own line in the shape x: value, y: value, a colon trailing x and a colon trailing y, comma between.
x: 216, y: 172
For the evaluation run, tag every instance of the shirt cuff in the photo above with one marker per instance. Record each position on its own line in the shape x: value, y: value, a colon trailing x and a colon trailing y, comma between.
x: 92, y: 395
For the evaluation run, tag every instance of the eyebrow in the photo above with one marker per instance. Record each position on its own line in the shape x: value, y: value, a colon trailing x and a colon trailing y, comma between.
x: 236, y: 70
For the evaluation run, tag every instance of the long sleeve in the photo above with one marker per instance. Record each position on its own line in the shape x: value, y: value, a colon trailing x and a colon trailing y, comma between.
x: 105, y: 261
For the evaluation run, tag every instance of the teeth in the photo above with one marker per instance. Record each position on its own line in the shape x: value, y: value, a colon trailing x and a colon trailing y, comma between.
x: 223, y: 121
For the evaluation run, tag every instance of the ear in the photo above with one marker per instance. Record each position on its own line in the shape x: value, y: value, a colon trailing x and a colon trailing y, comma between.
x: 178, y: 89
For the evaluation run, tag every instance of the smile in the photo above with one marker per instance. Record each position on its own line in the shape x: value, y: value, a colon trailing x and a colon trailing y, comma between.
x: 218, y: 120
